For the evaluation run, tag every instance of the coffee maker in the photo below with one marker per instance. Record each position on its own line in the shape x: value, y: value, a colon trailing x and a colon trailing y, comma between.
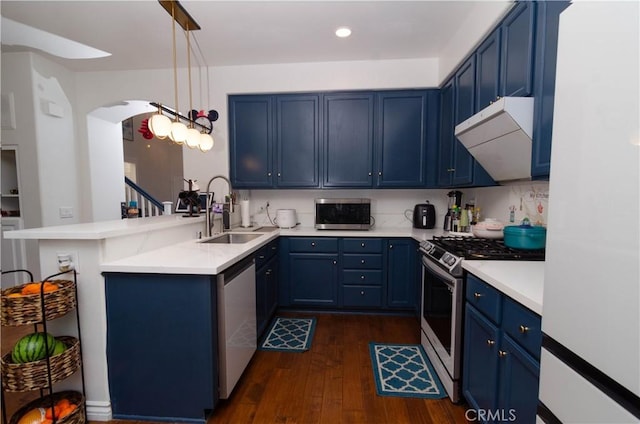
x: 453, y: 206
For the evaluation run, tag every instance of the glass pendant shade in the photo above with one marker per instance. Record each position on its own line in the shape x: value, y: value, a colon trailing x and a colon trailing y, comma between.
x: 178, y: 132
x: 160, y: 125
x: 193, y: 138
x: 206, y: 142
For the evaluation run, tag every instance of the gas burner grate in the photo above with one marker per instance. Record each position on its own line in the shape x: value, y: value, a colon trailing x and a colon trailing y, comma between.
x: 485, y: 249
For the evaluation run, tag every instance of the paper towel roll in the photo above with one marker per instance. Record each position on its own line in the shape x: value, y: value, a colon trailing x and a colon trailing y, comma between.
x: 244, y: 213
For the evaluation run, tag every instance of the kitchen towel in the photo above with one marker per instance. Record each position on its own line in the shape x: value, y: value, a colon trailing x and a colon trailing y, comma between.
x: 404, y: 370
x: 290, y: 334
x: 244, y: 214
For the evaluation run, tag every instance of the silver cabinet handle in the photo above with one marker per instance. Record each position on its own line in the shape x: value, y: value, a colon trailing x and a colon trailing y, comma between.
x: 477, y: 295
x: 362, y: 261
x: 313, y: 244
x: 524, y: 329
x: 362, y: 277
x: 361, y: 244
x: 274, y: 248
x: 362, y: 292
x: 370, y: 174
x: 502, y: 353
x: 335, y: 262
x: 380, y: 174
x: 490, y: 342
x: 391, y: 246
x: 261, y: 257
x: 268, y: 272
x: 279, y: 174
x: 268, y: 174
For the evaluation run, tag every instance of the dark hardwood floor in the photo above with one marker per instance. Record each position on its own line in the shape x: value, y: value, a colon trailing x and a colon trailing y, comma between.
x: 331, y: 383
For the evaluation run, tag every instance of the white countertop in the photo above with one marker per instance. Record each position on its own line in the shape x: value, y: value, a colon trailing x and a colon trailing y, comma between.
x: 102, y: 229
x: 523, y: 281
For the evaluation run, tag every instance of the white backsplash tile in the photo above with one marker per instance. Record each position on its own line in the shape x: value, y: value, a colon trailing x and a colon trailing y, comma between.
x: 389, y: 207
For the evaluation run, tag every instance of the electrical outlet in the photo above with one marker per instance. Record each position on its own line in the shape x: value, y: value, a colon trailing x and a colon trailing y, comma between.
x: 66, y: 212
x: 68, y: 261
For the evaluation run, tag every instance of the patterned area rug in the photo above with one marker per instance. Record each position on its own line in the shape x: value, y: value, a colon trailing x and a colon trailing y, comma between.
x: 290, y: 334
x: 404, y: 370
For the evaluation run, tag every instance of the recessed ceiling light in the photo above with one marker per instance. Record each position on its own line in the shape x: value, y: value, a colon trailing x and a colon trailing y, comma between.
x: 343, y: 32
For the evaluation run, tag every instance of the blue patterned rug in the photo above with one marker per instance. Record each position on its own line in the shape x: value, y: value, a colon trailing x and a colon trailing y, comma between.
x: 289, y: 334
x: 404, y: 370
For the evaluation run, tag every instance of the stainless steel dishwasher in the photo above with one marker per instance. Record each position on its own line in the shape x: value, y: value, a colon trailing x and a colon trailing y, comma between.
x: 236, y: 322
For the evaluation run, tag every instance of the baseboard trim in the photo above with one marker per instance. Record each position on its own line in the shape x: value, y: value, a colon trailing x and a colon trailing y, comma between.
x: 98, y: 411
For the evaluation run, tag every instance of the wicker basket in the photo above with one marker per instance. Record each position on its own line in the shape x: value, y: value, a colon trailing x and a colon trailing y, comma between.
x: 76, y: 417
x: 22, y: 310
x: 33, y: 375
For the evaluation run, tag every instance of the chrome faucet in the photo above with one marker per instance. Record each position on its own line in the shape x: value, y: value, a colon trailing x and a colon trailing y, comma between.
x: 226, y: 219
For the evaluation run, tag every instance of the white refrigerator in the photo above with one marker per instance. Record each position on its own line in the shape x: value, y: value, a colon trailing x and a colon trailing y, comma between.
x: 590, y: 362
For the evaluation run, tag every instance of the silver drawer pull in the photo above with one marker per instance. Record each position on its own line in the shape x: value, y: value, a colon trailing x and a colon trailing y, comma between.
x: 362, y: 293
x: 502, y: 353
x: 490, y: 342
x: 477, y: 295
x: 313, y: 244
x: 261, y: 256
x: 335, y: 262
x: 362, y: 277
x: 524, y: 329
x: 362, y: 244
x: 362, y: 261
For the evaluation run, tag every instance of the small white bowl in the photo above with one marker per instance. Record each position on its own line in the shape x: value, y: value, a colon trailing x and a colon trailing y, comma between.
x: 488, y: 234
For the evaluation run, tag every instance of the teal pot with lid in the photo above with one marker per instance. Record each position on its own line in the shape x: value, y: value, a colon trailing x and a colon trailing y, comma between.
x: 525, y: 236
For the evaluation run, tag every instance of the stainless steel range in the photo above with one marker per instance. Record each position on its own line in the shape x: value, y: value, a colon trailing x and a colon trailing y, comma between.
x: 443, y: 298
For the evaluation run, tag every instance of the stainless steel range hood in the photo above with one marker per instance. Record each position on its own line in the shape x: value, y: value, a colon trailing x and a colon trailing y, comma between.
x: 499, y: 138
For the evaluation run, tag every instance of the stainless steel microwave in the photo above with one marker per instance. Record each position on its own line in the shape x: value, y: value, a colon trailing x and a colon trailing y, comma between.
x: 343, y: 214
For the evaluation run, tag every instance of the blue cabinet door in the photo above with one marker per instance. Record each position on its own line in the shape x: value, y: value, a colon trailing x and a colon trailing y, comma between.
x: 266, y: 293
x: 297, y: 140
x: 464, y: 108
x: 446, y: 137
x: 153, y: 320
x: 251, y: 141
x: 547, y: 22
x: 480, y: 361
x: 348, y: 139
x: 401, y: 138
x: 313, y: 279
x: 488, y: 70
x: 402, y: 277
x: 518, y: 50
x: 519, y: 376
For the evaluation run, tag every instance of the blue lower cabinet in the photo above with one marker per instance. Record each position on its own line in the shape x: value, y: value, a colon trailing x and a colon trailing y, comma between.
x: 361, y: 296
x: 402, y: 273
x: 266, y: 294
x: 501, y: 370
x: 519, y: 377
x: 162, y: 346
x: 480, y: 372
x: 313, y: 279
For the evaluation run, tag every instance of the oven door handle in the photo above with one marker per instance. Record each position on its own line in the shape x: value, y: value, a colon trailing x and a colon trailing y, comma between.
x: 445, y: 276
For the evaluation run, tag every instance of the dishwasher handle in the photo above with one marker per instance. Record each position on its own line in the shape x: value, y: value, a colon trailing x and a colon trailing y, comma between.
x: 236, y: 269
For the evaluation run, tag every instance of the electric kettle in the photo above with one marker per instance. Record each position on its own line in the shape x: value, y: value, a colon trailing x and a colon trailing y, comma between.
x: 424, y: 216
x: 286, y: 218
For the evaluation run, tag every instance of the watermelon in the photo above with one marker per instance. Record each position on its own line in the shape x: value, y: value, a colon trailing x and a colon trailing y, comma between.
x: 59, y: 348
x: 32, y: 348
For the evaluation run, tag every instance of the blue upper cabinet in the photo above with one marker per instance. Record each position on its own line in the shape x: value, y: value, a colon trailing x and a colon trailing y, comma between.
x: 251, y: 141
x: 406, y: 126
x: 446, y: 137
x: 274, y: 141
x: 488, y: 70
x: 462, y: 169
x: 348, y: 139
x: 297, y: 141
x: 517, y: 34
x: 547, y: 23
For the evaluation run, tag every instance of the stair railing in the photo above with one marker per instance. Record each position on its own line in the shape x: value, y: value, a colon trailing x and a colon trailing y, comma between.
x: 147, y: 205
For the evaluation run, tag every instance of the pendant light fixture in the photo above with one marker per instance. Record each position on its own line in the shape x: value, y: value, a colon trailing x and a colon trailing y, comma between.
x: 160, y: 124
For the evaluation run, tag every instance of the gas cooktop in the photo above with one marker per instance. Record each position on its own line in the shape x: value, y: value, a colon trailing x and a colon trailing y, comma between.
x: 449, y: 251
x: 485, y: 249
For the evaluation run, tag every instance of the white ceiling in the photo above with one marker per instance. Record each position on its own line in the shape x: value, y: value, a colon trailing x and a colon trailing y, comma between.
x: 138, y: 33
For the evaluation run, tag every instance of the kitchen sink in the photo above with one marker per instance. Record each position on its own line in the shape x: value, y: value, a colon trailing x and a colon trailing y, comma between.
x: 232, y: 238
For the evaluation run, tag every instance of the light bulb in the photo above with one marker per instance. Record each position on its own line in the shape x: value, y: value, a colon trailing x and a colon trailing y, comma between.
x: 193, y: 138
x: 160, y: 126
x: 178, y: 132
x: 206, y: 142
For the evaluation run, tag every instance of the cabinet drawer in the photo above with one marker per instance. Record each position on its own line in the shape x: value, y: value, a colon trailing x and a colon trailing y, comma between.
x: 484, y: 297
x: 362, y: 296
x: 363, y: 277
x: 362, y: 261
x: 523, y: 325
x: 266, y: 252
x: 314, y: 244
x: 362, y: 245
